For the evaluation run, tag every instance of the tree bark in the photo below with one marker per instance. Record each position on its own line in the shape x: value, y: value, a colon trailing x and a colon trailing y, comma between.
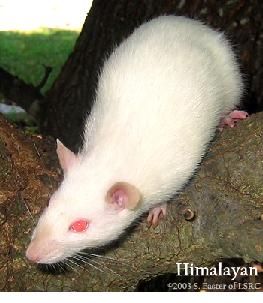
x: 219, y: 214
x: 109, y: 22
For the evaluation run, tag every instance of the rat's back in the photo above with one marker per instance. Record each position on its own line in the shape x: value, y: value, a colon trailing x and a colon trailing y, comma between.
x: 160, y: 97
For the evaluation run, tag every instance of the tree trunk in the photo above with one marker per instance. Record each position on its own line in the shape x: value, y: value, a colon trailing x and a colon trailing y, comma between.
x: 219, y: 214
x: 109, y: 22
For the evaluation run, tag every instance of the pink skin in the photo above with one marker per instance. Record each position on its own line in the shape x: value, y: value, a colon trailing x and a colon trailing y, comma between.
x: 232, y: 118
x: 156, y: 214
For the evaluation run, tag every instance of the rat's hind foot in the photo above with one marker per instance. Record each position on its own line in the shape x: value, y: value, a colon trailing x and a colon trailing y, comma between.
x: 156, y: 214
x: 231, y: 119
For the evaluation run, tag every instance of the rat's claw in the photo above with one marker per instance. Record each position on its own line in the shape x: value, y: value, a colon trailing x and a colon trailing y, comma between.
x: 231, y: 119
x: 156, y: 214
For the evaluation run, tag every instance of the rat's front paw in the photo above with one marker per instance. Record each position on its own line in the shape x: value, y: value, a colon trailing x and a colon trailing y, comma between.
x: 156, y: 214
x: 232, y: 118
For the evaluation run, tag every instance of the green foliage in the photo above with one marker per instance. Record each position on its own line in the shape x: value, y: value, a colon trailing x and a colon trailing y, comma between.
x: 24, y: 53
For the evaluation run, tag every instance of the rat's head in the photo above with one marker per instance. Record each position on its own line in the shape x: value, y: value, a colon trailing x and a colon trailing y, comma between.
x: 81, y: 216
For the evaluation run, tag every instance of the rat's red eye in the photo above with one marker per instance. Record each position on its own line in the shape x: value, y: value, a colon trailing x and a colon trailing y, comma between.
x: 79, y: 225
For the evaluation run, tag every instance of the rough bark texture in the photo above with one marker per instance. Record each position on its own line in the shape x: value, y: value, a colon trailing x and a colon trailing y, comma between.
x: 109, y: 22
x: 225, y: 196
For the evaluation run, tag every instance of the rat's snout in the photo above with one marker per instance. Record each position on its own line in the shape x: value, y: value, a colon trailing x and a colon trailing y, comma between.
x: 32, y: 253
x: 43, y: 251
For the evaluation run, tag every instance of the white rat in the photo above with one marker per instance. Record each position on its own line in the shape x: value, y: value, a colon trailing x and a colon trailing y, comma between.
x: 160, y: 97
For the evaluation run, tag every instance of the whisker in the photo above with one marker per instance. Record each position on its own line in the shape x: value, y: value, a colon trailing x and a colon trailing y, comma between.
x: 61, y: 267
x: 110, y: 269
x: 77, y: 257
x: 104, y: 257
x: 110, y: 258
x: 121, y: 261
x: 69, y: 265
x: 107, y: 258
x: 75, y: 263
x: 82, y: 258
x: 92, y: 265
x: 98, y: 263
x: 101, y: 256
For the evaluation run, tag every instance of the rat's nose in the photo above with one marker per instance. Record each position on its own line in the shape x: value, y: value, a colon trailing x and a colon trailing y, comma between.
x: 42, y: 250
x: 32, y: 254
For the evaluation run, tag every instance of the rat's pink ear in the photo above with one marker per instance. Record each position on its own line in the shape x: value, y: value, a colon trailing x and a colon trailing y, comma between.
x: 65, y: 156
x: 123, y: 195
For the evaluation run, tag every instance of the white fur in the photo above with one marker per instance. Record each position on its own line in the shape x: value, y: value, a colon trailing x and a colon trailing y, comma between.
x: 160, y: 97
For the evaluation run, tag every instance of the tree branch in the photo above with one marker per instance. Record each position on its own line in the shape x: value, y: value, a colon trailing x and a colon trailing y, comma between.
x: 48, y: 70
